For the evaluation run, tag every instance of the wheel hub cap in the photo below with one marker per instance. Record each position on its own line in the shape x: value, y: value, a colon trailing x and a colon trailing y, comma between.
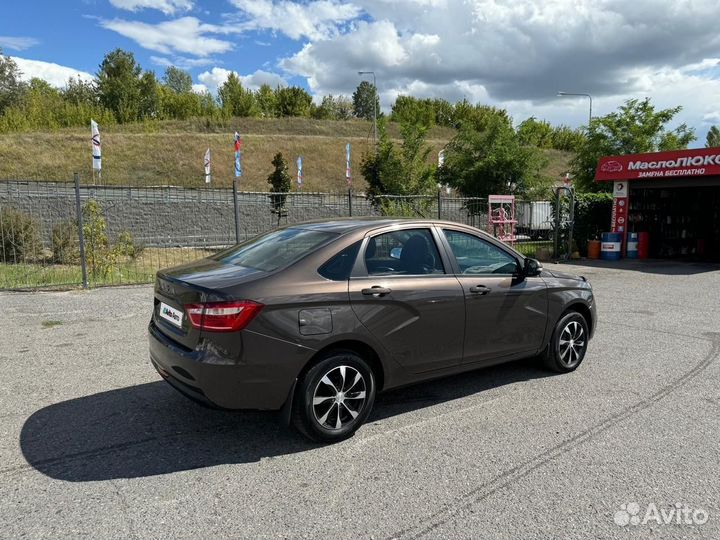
x: 339, y: 397
x: 572, y: 344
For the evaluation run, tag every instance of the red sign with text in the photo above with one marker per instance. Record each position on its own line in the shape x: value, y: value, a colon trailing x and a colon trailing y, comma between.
x: 696, y: 162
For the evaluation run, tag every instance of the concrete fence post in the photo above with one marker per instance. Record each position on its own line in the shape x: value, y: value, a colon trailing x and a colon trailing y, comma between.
x: 439, y: 203
x: 81, y: 234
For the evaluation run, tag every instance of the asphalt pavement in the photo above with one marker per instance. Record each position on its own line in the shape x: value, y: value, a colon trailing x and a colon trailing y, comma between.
x: 94, y: 444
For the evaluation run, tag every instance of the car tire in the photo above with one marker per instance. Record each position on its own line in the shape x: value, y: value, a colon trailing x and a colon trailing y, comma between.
x: 568, y: 343
x: 334, y: 398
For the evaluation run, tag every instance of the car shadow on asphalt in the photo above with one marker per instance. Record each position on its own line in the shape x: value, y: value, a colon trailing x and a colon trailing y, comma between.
x: 667, y: 267
x: 150, y: 429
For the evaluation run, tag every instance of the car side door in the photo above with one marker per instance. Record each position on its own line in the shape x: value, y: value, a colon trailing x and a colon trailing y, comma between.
x: 505, y: 312
x: 401, y: 292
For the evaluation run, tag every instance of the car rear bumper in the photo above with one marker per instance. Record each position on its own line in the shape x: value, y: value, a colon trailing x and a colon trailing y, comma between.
x: 197, y: 375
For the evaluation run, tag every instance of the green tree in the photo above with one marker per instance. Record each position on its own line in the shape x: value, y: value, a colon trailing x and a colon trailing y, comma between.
x: 235, y: 99
x: 403, y: 170
x: 11, y: 88
x: 712, y: 140
x: 149, y: 101
x: 534, y: 132
x: 479, y: 163
x: 443, y: 112
x: 280, y: 183
x: 266, y: 101
x: 79, y: 92
x: 636, y: 127
x: 118, y: 84
x: 293, y: 101
x: 177, y: 80
x: 567, y: 139
x: 408, y: 109
x: 333, y: 108
x: 363, y: 98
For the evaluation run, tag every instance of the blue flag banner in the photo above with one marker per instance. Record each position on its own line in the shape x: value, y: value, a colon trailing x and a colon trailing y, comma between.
x: 299, y: 171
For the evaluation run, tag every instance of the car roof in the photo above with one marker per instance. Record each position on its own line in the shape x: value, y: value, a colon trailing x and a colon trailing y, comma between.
x: 346, y: 225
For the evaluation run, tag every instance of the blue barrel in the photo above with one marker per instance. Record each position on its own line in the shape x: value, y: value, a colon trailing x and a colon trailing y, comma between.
x: 632, y: 246
x: 610, y: 244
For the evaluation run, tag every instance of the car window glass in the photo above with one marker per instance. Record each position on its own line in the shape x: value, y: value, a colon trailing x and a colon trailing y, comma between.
x: 404, y: 252
x: 339, y: 266
x: 476, y: 256
x: 276, y: 249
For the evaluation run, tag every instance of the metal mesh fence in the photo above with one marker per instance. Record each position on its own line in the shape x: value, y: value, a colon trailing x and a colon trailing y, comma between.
x: 131, y: 231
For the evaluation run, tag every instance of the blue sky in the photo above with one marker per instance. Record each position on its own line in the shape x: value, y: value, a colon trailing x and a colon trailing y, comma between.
x: 511, y: 54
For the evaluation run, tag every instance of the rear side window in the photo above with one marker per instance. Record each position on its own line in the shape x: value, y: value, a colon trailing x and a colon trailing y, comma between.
x: 276, y: 249
x: 339, y: 267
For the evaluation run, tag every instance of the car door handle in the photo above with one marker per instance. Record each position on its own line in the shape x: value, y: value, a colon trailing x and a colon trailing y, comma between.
x: 376, y: 291
x: 479, y: 289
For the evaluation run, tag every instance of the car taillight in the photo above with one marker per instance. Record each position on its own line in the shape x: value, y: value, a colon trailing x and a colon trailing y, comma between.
x: 228, y: 316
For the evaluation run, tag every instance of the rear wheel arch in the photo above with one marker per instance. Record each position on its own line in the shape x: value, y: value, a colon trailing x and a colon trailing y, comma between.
x: 358, y: 347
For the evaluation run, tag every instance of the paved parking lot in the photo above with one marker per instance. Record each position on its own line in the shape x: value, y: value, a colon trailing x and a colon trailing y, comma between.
x: 94, y: 444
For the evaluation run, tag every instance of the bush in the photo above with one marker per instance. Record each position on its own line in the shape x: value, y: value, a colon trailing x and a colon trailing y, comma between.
x: 592, y: 217
x: 126, y: 246
x: 19, y: 237
x: 65, y: 243
x: 100, y: 258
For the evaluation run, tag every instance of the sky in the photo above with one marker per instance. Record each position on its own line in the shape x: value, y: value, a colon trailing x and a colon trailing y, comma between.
x: 515, y: 54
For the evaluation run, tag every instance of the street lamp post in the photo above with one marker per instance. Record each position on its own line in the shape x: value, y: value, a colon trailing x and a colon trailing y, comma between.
x: 562, y: 94
x: 361, y: 73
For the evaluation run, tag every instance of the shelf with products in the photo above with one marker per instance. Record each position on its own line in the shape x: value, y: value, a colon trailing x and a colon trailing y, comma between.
x: 681, y: 222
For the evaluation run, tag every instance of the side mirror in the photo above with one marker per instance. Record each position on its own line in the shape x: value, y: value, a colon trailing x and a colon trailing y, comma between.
x: 532, y: 267
x: 395, y: 252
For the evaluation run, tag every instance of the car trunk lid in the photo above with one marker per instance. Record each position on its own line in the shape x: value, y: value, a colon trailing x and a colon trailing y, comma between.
x: 193, y: 283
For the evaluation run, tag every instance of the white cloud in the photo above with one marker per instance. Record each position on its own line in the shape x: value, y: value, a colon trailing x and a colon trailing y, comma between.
x: 184, y: 35
x: 54, y: 74
x: 519, y: 54
x: 214, y: 78
x: 183, y: 62
x: 17, y: 43
x: 168, y: 7
x: 318, y: 19
x: 199, y: 88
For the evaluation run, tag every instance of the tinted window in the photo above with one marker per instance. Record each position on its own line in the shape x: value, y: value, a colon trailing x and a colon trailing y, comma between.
x: 338, y: 268
x: 406, y: 252
x: 275, y: 250
x: 476, y: 256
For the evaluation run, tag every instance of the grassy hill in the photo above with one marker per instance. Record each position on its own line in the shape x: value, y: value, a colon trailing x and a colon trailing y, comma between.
x: 171, y: 152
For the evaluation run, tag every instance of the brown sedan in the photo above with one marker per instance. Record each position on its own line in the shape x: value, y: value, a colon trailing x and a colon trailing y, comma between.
x: 315, y: 319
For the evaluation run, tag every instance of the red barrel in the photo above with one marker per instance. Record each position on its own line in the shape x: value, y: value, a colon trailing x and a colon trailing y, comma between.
x: 643, y: 245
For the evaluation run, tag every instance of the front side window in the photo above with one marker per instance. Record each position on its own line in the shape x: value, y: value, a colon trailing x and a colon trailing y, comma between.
x: 276, y: 249
x: 404, y: 252
x: 476, y: 256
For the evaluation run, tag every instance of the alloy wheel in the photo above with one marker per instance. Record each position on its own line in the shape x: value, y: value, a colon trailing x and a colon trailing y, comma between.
x: 572, y: 344
x: 339, y: 397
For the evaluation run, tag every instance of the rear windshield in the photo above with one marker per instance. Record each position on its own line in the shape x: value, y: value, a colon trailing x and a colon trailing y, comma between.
x: 275, y: 250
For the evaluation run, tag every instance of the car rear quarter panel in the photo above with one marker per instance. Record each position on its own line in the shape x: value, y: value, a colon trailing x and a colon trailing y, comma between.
x: 275, y: 339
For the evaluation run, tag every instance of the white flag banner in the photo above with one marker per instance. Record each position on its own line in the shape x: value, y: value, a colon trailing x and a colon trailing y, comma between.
x: 96, y: 150
x: 207, y: 163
